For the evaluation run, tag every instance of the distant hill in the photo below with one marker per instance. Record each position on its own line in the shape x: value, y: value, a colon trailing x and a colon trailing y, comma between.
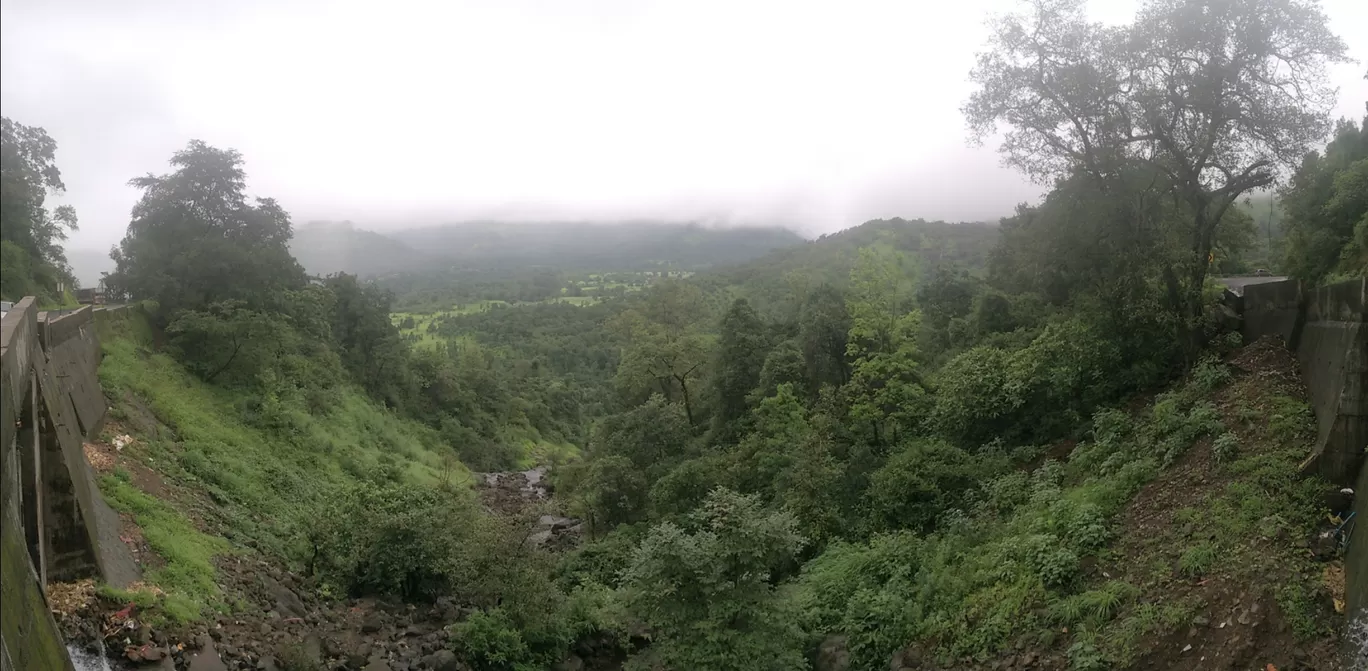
x: 623, y: 245
x: 830, y: 258
x: 324, y: 247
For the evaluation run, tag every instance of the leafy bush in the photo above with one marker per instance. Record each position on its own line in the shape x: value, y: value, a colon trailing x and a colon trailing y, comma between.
x: 1225, y: 448
x: 1050, y: 558
x: 390, y: 539
x: 706, y: 591
x: 917, y: 484
x: 1209, y: 375
x: 491, y: 642
x: 1084, y: 656
x: 1038, y: 391
x: 1003, y: 494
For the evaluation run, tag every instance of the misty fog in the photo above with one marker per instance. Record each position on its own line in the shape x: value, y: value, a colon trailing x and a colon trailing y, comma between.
x: 810, y: 115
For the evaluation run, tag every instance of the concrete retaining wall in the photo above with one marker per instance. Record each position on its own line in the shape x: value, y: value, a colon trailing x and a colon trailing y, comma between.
x: 54, y: 524
x: 29, y: 638
x: 1328, y: 329
x: 1357, y: 580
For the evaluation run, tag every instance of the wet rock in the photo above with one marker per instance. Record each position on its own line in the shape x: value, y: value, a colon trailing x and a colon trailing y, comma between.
x: 374, y: 622
x: 145, y: 653
x: 378, y: 663
x: 207, y: 660
x: 833, y: 654
x: 442, y: 660
x: 287, y: 602
x: 313, y: 648
x: 570, y: 663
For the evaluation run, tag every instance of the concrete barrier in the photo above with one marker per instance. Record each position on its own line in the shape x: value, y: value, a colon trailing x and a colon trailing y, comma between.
x: 29, y: 638
x: 56, y: 524
x: 1328, y: 329
x: 1271, y: 308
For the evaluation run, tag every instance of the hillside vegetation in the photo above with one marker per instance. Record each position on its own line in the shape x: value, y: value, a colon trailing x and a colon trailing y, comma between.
x: 909, y: 445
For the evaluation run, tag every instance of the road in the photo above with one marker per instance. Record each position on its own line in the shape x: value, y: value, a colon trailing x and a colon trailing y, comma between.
x: 1237, y: 284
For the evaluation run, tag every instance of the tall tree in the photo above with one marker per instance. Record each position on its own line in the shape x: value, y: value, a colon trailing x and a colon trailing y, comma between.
x: 195, y: 239
x: 884, y: 387
x: 1327, y: 208
x: 665, y: 350
x: 741, y: 350
x: 823, y: 324
x: 1212, y: 96
x: 30, y: 235
x: 370, y: 346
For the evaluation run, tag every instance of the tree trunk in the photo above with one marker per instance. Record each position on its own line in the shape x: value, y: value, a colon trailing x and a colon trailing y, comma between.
x: 237, y: 346
x: 688, y: 406
x: 1204, y: 231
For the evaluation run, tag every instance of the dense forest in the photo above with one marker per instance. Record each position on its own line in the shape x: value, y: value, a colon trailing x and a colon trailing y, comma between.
x: 905, y: 440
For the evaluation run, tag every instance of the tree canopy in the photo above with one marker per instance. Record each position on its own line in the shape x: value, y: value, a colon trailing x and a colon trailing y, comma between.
x: 1207, y: 101
x: 32, y: 261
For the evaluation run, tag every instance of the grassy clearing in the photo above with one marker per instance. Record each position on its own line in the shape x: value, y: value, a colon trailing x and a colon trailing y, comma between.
x: 251, y: 468
x: 418, y: 323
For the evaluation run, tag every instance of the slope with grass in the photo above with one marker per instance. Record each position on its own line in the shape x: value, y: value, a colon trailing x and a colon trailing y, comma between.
x: 200, y: 472
x: 1178, y: 536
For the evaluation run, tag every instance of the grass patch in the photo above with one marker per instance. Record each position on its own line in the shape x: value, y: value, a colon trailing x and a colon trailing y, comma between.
x: 188, y: 578
x: 1302, y: 610
x: 1197, y: 560
x: 1121, y: 641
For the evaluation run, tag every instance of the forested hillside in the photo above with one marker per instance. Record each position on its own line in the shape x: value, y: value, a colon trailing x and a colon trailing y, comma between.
x: 907, y: 445
x: 325, y: 248
x: 485, y: 248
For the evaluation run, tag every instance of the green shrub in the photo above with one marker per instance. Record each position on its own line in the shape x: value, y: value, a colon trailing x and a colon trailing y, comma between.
x: 1197, y: 560
x: 1225, y: 448
x: 1084, y: 656
x: 918, y: 483
x: 491, y: 642
x: 1209, y: 375
x: 1003, y: 494
x: 390, y: 539
x: 1050, y: 558
x: 707, y: 591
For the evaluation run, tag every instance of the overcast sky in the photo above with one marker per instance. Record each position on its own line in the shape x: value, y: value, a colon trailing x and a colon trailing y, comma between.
x: 817, y: 115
